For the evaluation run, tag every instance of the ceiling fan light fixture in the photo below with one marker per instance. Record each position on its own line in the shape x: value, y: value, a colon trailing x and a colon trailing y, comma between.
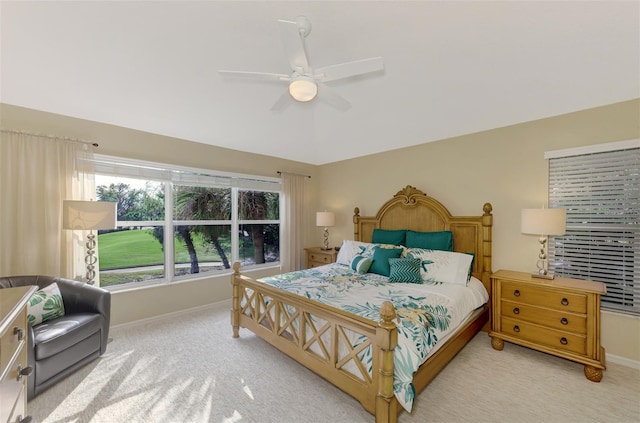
x: 303, y: 89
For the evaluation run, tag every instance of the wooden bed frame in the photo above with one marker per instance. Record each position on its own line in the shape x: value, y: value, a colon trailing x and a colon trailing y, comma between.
x: 315, y: 334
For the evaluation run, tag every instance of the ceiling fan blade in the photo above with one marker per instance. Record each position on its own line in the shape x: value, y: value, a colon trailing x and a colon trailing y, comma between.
x: 293, y: 34
x: 345, y: 70
x: 256, y: 75
x: 332, y: 98
x: 282, y: 102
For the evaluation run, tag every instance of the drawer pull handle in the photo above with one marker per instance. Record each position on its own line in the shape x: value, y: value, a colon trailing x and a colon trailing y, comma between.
x: 516, y: 328
x: 516, y: 310
x: 516, y: 293
x: 564, y: 302
x: 27, y: 419
x: 19, y: 332
x: 23, y: 371
x: 564, y: 321
x: 564, y: 341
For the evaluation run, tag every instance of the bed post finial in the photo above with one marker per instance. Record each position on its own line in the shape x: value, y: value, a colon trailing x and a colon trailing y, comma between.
x: 356, y: 220
x: 386, y: 341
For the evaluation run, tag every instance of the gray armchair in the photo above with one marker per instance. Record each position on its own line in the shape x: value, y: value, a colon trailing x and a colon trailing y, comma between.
x: 59, y: 347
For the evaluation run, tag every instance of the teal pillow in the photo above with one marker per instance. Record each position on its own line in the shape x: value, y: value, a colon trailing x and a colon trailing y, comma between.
x: 381, y: 258
x: 385, y: 236
x: 440, y: 240
x: 405, y: 270
x: 361, y: 264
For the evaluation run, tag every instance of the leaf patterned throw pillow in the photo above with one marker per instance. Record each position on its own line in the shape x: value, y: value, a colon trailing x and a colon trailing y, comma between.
x: 45, y: 304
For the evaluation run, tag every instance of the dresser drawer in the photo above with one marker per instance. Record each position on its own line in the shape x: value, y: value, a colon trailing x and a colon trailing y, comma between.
x: 12, y: 339
x: 541, y: 335
x: 561, y: 320
x: 11, y: 387
x: 576, y: 303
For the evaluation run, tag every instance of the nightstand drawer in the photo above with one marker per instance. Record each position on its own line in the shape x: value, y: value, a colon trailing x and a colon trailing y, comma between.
x: 316, y: 256
x: 576, y: 303
x: 561, y: 320
x: 321, y: 258
x: 541, y: 335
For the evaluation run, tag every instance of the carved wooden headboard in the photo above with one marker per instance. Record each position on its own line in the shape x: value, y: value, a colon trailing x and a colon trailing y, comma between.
x: 412, y: 209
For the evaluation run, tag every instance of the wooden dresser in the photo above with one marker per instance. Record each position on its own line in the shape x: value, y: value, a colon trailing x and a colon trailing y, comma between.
x: 559, y: 316
x: 316, y: 256
x: 13, y: 354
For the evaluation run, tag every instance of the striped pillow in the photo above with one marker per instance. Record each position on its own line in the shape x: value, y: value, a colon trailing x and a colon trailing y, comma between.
x: 361, y: 264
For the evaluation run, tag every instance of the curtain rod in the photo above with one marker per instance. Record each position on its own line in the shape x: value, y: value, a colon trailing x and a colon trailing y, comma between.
x: 290, y: 173
x: 52, y: 137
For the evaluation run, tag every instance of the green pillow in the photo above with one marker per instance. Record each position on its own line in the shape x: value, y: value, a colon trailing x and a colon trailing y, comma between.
x: 405, y: 270
x: 381, y: 258
x: 384, y: 236
x: 45, y: 304
x: 439, y: 240
x: 361, y: 264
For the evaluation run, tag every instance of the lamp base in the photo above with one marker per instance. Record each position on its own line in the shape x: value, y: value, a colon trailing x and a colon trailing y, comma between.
x: 326, y: 248
x: 540, y: 276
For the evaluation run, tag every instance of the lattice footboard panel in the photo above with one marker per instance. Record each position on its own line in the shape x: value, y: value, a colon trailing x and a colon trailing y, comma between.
x: 324, y: 339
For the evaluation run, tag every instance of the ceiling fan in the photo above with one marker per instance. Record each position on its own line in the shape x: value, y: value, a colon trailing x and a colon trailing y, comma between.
x: 306, y: 83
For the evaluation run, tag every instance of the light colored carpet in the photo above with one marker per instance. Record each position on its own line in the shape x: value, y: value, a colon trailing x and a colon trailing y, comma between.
x: 189, y: 369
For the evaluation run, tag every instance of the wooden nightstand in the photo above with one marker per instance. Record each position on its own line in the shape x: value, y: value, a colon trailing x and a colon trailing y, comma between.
x: 316, y: 256
x: 559, y: 316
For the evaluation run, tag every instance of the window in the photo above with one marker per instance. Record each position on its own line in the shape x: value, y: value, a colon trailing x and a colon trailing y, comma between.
x: 600, y: 188
x: 174, y: 223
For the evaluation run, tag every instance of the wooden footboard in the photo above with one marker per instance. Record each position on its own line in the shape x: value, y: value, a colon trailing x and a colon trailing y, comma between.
x: 318, y: 337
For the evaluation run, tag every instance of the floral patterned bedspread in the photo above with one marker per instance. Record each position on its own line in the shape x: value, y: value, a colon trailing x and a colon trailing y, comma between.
x: 427, y: 312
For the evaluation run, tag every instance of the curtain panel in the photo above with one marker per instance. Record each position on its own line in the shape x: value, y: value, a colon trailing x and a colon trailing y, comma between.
x: 36, y: 173
x: 294, y: 221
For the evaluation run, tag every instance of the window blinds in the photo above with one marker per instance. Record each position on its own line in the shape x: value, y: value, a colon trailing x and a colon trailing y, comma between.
x: 601, y: 192
x: 130, y: 168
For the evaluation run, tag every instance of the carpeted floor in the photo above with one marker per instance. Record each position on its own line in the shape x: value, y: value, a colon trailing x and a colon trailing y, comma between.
x: 189, y: 369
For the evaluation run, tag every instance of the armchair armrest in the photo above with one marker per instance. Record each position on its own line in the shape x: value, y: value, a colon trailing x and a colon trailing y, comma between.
x: 79, y: 297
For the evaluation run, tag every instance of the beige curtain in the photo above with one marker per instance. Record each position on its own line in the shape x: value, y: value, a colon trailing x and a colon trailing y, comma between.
x: 36, y: 174
x: 294, y: 221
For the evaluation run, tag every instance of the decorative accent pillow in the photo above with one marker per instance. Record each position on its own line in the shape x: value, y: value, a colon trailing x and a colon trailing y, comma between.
x: 350, y: 249
x: 384, y: 236
x: 405, y: 270
x: 361, y: 264
x: 442, y: 266
x: 381, y: 258
x: 45, y: 304
x: 439, y: 240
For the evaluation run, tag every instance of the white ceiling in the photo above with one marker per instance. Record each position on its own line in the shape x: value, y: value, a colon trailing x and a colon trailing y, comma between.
x: 451, y: 68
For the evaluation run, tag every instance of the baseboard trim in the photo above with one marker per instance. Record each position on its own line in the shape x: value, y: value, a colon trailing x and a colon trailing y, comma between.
x: 611, y: 358
x: 173, y: 314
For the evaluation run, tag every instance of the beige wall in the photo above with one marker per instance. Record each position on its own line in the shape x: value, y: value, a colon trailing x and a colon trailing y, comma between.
x: 503, y: 166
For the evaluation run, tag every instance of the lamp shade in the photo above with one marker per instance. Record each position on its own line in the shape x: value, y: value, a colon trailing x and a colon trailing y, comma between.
x: 303, y: 89
x: 88, y: 215
x: 325, y: 219
x: 544, y: 221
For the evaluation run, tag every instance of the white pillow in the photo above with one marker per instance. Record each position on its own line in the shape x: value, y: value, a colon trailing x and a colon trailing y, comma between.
x: 45, y: 304
x: 443, y: 266
x: 350, y: 249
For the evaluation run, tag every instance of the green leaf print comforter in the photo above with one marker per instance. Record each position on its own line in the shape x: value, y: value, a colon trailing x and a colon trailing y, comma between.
x: 426, y: 312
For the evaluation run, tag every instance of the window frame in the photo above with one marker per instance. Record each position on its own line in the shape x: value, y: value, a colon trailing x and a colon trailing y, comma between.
x: 170, y: 175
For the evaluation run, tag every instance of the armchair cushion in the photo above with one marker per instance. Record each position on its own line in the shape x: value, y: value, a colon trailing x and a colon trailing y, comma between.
x: 59, y: 334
